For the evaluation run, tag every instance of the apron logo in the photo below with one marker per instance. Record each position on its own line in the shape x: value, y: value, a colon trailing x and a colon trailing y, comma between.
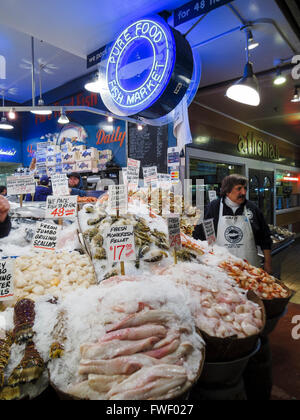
x: 233, y: 235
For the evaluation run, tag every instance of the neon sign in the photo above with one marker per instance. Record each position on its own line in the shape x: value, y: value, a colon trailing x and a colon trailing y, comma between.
x: 149, y: 64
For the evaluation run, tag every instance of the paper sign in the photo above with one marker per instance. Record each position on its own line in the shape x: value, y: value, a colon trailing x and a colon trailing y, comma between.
x: 124, y: 175
x: 120, y: 244
x: 150, y: 176
x: 173, y: 156
x: 60, y: 184
x: 212, y: 195
x: 117, y: 199
x: 61, y: 207
x: 209, y: 230
x: 6, y: 279
x: 174, y: 174
x: 20, y: 185
x: 174, y: 232
x: 164, y: 181
x: 45, y: 237
x: 133, y: 171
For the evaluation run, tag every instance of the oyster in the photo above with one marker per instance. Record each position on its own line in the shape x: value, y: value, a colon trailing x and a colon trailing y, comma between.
x: 90, y: 233
x: 29, y: 369
x: 89, y: 209
x: 59, y: 335
x: 159, y: 235
x: 100, y: 254
x: 111, y: 273
x: 95, y: 221
x: 155, y: 256
x: 98, y: 240
x: 185, y: 255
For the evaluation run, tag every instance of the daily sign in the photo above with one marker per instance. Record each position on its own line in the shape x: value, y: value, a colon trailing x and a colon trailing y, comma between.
x: 6, y: 279
x: 196, y: 8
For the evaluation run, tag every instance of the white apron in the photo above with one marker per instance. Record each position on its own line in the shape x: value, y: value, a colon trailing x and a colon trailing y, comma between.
x: 236, y: 235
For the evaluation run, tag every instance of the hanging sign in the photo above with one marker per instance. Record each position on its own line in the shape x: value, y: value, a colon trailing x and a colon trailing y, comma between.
x: 61, y: 207
x: 150, y: 176
x: 209, y: 230
x: 6, y: 279
x: 196, y: 8
x: 174, y: 232
x: 147, y: 70
x: 117, y: 199
x: 45, y: 237
x: 60, y: 184
x: 120, y: 244
x: 20, y: 185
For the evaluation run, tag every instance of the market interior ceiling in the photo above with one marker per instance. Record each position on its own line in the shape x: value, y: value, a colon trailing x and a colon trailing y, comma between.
x: 65, y: 32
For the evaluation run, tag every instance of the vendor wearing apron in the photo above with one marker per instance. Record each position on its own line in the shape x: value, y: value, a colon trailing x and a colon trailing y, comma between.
x: 239, y: 224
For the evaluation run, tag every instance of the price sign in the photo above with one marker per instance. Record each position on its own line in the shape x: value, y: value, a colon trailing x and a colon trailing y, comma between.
x: 212, y: 195
x: 60, y: 185
x: 120, y: 244
x: 20, y: 185
x: 133, y: 171
x: 150, y: 176
x: 174, y: 232
x: 61, y: 207
x: 6, y: 279
x: 117, y: 199
x: 45, y: 237
x: 209, y: 230
x: 164, y: 181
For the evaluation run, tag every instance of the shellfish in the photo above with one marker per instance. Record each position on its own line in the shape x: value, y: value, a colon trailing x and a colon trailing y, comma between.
x: 155, y: 256
x: 5, y: 345
x: 24, y: 316
x: 100, y: 254
x: 185, y: 255
x: 29, y: 369
x: 98, y: 240
x: 59, y: 335
x: 90, y: 233
x: 95, y: 221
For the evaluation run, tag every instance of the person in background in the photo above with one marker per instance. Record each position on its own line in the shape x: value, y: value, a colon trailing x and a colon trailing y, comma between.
x: 5, y: 223
x: 76, y: 185
x: 239, y: 224
x: 41, y: 191
x: 3, y: 190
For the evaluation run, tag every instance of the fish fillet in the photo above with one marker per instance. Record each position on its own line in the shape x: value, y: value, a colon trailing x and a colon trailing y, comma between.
x: 83, y: 391
x: 183, y: 350
x: 164, y: 351
x: 103, y: 383
x: 136, y: 333
x: 147, y: 375
x: 116, y: 348
x: 125, y: 365
x: 141, y: 318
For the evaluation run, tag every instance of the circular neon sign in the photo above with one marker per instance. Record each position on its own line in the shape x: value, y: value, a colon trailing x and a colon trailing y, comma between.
x: 139, y: 67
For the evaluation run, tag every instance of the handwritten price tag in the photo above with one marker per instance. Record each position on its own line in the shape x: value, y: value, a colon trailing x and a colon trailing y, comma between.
x: 174, y: 232
x: 61, y: 207
x: 120, y: 244
x: 209, y: 231
x: 6, y: 279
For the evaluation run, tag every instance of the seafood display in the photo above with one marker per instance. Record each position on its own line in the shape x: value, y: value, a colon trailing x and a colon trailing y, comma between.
x: 136, y: 339
x: 219, y: 307
x: 24, y: 316
x: 253, y: 278
x: 52, y: 273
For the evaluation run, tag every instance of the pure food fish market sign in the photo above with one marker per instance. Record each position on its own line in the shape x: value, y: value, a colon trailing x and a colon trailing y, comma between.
x: 147, y: 70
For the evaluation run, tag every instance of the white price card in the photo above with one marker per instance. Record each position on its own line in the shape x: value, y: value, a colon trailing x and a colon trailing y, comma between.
x: 174, y: 232
x: 164, y: 181
x: 20, y: 185
x: 133, y: 171
x: 150, y: 176
x: 60, y: 184
x: 120, y: 244
x: 117, y: 199
x: 209, y: 230
x: 61, y: 207
x: 45, y: 237
x: 212, y: 195
x: 6, y: 279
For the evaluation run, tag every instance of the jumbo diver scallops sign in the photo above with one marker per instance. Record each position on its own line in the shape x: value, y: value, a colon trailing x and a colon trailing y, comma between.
x: 147, y: 70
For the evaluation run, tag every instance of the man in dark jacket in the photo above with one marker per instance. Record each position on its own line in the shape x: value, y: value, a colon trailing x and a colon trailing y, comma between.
x: 41, y: 191
x: 5, y: 224
x: 76, y: 185
x: 230, y: 214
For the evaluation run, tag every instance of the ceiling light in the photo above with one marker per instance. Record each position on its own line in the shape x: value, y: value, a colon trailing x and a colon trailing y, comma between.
x: 279, y: 79
x: 5, y: 125
x: 63, y: 119
x: 139, y: 127
x: 96, y: 85
x: 245, y: 90
x: 40, y: 101
x: 110, y: 119
x: 296, y: 97
x: 12, y: 114
x: 251, y: 43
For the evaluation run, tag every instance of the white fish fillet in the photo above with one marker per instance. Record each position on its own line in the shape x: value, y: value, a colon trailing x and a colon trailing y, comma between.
x: 136, y: 333
x: 116, y: 348
x: 125, y: 365
x: 147, y: 375
x: 164, y: 351
x: 141, y: 318
x: 103, y: 383
x: 83, y: 391
x: 183, y: 350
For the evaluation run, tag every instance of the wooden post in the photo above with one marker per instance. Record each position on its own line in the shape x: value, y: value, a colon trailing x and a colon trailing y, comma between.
x: 21, y: 200
x: 175, y: 256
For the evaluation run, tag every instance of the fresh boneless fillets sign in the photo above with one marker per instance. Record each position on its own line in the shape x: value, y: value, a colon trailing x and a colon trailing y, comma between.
x: 61, y: 207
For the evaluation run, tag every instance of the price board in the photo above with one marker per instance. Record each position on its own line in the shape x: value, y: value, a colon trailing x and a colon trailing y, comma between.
x: 6, y: 279
x: 60, y: 184
x: 20, y: 185
x: 174, y: 232
x: 120, y: 244
x: 133, y: 171
x: 164, y: 181
x: 61, y: 207
x: 45, y: 237
x: 150, y: 176
x: 117, y: 199
x: 209, y: 230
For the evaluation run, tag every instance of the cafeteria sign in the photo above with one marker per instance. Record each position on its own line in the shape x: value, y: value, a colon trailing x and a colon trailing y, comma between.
x: 148, y: 67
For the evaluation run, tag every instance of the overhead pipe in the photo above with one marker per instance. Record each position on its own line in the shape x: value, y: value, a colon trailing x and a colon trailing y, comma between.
x: 32, y: 72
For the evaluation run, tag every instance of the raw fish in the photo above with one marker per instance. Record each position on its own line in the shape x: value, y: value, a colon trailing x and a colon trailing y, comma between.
x: 141, y: 318
x: 164, y: 351
x: 103, y: 383
x: 135, y: 333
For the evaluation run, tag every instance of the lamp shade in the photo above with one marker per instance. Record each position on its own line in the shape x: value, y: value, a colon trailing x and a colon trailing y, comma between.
x: 41, y: 111
x: 63, y: 119
x: 5, y: 125
x: 245, y: 90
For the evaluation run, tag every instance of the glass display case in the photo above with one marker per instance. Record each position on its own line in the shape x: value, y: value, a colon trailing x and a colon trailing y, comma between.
x: 287, y: 190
